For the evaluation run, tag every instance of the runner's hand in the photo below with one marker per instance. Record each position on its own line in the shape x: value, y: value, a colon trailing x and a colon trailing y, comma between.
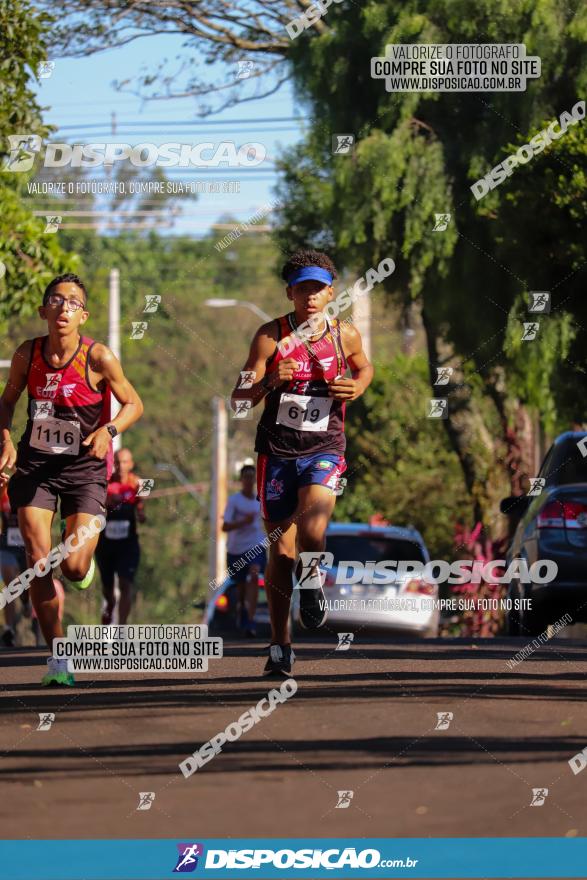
x: 343, y: 389
x: 7, y: 454
x: 98, y: 441
x: 284, y: 373
x: 4, y: 477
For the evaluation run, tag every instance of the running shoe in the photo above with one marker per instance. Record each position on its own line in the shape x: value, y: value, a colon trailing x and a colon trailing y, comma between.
x: 27, y: 609
x: 312, y: 601
x: 8, y: 637
x: 57, y: 674
x: 280, y: 661
x: 86, y: 581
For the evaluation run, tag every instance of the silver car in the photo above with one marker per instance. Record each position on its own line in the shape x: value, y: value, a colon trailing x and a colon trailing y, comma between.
x: 363, y: 597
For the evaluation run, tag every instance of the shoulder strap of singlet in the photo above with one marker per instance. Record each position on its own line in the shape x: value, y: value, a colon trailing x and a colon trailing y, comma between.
x: 36, y: 344
x: 283, y: 330
x: 283, y: 327
x: 336, y: 326
x: 87, y: 343
x: 336, y: 335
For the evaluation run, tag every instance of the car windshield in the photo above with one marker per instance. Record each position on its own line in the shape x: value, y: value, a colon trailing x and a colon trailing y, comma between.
x: 367, y: 548
x: 569, y: 467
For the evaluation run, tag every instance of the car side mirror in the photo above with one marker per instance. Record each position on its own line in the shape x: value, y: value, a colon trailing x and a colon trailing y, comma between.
x: 515, y: 505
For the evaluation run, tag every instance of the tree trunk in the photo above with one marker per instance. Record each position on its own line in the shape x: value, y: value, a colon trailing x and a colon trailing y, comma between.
x: 518, y: 433
x: 519, y: 437
x: 464, y: 423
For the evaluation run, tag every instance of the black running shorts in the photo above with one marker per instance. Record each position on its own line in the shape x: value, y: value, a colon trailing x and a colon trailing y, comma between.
x: 28, y: 490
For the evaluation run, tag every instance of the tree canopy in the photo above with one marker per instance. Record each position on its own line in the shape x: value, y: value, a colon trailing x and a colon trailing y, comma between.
x: 30, y: 257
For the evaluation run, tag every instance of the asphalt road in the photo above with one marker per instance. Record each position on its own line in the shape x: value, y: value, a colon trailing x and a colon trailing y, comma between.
x: 362, y: 720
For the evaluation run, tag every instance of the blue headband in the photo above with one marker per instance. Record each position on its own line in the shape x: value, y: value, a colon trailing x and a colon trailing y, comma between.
x: 310, y: 273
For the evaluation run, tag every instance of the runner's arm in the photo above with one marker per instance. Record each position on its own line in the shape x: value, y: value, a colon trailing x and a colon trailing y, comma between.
x: 228, y: 523
x: 141, y: 515
x: 237, y: 523
x: 361, y: 368
x: 140, y: 507
x: 15, y: 385
x: 107, y: 366
x: 262, y: 347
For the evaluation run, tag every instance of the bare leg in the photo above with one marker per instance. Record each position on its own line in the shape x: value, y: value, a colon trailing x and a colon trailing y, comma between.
x: 252, y: 592
x: 240, y: 603
x: 316, y: 503
x: 109, y: 597
x: 35, y: 527
x: 315, y: 507
x: 278, y: 582
x: 76, y: 566
x: 9, y: 572
x: 125, y: 602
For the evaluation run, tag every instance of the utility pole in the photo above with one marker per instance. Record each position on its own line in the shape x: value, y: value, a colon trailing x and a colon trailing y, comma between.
x: 362, y: 321
x: 217, y: 559
x: 114, y: 334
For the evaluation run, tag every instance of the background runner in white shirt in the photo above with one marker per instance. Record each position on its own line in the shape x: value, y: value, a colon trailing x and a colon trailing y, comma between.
x: 242, y: 522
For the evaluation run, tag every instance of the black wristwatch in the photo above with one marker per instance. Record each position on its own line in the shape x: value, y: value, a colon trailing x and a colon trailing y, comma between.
x: 112, y: 430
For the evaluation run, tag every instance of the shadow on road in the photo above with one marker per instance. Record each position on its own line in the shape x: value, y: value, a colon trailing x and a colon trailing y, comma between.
x: 293, y: 755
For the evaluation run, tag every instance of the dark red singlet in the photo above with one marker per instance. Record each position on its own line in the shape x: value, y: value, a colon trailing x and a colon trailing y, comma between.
x: 63, y: 408
x: 299, y: 418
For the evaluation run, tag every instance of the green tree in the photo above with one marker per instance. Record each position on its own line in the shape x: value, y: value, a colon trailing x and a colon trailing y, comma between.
x: 417, y: 154
x: 397, y: 468
x: 30, y: 258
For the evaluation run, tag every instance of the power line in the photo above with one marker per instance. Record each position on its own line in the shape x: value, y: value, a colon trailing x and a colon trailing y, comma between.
x: 81, y: 203
x: 153, y: 130
x: 184, y: 123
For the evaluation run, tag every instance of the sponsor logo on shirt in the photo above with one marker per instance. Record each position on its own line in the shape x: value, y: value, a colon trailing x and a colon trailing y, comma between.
x: 52, y: 387
x: 306, y: 366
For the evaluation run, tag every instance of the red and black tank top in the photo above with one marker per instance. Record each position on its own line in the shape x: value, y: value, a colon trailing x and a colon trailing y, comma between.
x: 121, y: 521
x: 299, y: 417
x: 10, y: 538
x: 63, y: 408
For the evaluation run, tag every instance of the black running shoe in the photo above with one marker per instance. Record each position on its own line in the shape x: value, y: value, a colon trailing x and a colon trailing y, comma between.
x: 280, y: 661
x: 313, y: 602
x: 8, y: 638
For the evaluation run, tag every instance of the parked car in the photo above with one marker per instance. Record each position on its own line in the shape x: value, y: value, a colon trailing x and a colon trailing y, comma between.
x: 365, y: 606
x: 552, y: 525
x: 222, y: 612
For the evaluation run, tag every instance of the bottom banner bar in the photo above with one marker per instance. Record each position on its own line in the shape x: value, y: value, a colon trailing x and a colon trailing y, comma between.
x: 511, y: 857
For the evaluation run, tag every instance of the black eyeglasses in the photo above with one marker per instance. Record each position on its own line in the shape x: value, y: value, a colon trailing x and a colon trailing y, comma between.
x: 55, y: 299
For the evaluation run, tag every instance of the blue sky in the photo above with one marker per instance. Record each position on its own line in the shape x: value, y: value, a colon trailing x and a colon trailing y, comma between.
x: 80, y: 93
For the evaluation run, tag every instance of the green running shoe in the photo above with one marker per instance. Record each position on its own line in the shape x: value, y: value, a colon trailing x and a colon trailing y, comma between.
x: 85, y: 582
x: 57, y: 674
